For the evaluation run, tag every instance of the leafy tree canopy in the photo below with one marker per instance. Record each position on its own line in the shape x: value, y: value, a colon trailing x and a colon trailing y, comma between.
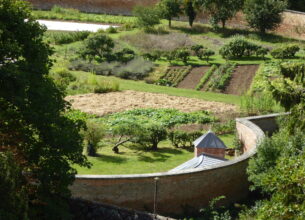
x: 169, y: 9
x: 43, y: 142
x: 264, y: 15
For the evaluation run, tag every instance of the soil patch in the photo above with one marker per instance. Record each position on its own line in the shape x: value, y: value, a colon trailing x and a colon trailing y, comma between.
x: 241, y: 79
x: 193, y: 78
x: 102, y: 104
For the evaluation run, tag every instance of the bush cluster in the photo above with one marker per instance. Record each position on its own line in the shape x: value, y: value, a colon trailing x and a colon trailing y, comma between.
x: 239, y: 47
x: 182, y: 139
x: 285, y: 52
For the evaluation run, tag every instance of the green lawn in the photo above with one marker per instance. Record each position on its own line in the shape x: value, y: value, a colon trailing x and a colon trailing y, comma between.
x: 134, y: 160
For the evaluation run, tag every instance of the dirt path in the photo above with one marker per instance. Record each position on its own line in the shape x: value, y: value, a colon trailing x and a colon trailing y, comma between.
x: 241, y: 79
x: 193, y: 78
x: 102, y: 104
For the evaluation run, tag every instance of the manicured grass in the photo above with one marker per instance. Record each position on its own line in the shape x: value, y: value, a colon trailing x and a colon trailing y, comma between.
x: 134, y: 160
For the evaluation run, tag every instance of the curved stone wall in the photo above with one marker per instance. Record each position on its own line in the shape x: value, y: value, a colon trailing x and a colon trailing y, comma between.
x: 182, y: 191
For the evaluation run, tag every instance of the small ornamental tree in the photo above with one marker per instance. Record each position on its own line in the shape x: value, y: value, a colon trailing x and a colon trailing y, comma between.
x: 98, y: 47
x: 169, y: 9
x: 264, y: 15
x: 147, y: 17
x: 183, y: 54
x: 93, y: 135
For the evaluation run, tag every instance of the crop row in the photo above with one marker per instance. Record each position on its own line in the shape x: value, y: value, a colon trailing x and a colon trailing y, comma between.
x: 176, y: 75
x: 221, y: 77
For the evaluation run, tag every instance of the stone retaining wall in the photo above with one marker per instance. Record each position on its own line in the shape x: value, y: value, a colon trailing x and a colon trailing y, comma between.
x: 182, y: 191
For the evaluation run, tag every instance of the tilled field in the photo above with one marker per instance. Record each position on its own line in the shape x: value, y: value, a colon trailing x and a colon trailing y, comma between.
x: 103, y: 104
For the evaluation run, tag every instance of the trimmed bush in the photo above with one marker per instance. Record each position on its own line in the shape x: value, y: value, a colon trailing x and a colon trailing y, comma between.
x: 238, y: 47
x: 285, y: 52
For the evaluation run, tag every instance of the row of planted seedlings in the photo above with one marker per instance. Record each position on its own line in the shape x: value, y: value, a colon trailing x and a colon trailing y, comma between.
x: 217, y: 78
x: 174, y: 75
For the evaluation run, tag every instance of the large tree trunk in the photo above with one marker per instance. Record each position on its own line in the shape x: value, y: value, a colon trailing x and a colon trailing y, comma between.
x: 115, y: 149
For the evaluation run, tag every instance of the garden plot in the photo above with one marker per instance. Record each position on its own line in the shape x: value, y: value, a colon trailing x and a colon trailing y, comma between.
x: 103, y: 104
x: 193, y: 78
x: 241, y: 79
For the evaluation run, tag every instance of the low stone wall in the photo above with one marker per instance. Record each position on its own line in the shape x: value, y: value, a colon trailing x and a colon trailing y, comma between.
x: 183, y: 191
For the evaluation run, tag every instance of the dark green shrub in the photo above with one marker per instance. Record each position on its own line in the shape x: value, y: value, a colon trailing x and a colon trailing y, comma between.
x: 125, y: 55
x: 183, y: 55
x: 62, y: 77
x: 98, y: 47
x: 262, y: 52
x: 111, y: 30
x: 153, y: 56
x: 285, y: 52
x: 93, y: 135
x: 170, y: 55
x: 238, y: 47
x: 183, y: 139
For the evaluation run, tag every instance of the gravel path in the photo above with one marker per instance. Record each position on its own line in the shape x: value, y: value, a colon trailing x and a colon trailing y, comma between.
x: 102, y: 104
x: 72, y: 26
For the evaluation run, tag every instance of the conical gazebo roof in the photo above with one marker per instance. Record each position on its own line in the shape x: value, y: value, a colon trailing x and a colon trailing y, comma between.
x: 209, y: 140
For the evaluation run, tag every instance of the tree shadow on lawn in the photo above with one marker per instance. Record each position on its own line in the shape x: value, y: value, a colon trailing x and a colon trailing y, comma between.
x: 110, y: 159
x: 161, y: 155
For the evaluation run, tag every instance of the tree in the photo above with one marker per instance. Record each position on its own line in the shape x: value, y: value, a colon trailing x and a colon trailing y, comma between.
x: 264, y: 15
x: 147, y: 17
x: 98, y: 46
x: 222, y: 10
x: 43, y: 141
x: 289, y: 91
x: 191, y: 8
x: 93, y: 135
x: 169, y: 9
x: 183, y: 54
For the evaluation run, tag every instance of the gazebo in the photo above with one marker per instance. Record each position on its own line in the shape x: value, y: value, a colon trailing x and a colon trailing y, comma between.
x: 209, y: 144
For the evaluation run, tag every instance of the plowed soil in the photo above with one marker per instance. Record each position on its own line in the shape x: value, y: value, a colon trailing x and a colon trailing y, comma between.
x: 241, y: 79
x: 193, y: 78
x: 102, y: 104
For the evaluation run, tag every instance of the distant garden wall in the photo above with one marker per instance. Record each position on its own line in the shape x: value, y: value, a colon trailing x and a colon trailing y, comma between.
x: 182, y: 191
x: 293, y: 24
